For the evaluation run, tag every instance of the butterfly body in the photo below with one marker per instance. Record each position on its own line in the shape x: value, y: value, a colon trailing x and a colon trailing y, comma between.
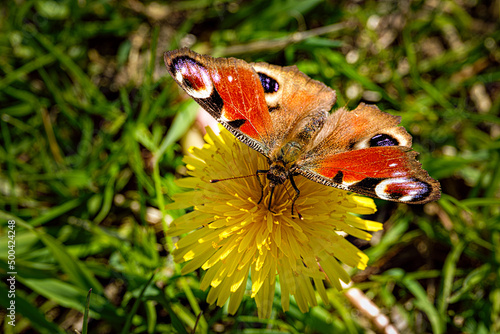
x: 283, y: 114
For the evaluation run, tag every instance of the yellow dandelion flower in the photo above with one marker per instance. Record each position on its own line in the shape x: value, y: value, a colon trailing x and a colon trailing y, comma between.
x: 231, y: 235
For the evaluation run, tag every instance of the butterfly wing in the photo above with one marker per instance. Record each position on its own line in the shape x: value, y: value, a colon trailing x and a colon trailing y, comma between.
x: 259, y: 103
x: 229, y: 89
x: 365, y: 151
x: 292, y: 96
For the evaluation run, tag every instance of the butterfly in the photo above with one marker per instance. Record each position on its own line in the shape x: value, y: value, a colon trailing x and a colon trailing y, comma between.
x: 285, y: 115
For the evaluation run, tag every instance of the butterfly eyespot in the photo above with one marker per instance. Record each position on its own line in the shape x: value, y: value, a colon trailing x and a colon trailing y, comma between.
x: 403, y: 189
x: 192, y: 76
x: 383, y: 140
x: 269, y: 84
x: 188, y: 84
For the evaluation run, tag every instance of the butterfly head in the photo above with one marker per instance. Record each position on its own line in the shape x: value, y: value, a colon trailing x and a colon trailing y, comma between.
x: 277, y: 174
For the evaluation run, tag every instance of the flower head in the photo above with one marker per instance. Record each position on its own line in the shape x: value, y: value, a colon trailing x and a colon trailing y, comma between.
x: 232, y: 235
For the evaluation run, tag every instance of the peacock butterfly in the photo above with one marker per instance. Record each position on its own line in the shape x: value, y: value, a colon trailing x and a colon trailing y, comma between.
x: 283, y: 114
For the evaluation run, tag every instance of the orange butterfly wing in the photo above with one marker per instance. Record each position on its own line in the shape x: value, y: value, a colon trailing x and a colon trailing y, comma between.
x: 365, y: 151
x: 229, y: 89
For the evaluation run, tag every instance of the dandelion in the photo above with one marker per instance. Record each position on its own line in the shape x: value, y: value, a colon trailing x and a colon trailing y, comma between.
x: 231, y: 235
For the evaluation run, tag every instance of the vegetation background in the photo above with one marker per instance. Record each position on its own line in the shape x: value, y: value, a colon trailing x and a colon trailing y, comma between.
x: 93, y: 131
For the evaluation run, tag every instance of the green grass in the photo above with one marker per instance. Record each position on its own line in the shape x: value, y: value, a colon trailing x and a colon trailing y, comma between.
x: 93, y: 132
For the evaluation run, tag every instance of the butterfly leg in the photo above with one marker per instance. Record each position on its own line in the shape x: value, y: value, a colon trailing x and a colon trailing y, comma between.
x: 260, y: 171
x: 297, y: 194
x: 270, y: 201
x: 263, y: 171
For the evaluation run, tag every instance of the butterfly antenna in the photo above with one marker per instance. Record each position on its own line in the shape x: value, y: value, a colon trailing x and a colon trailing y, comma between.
x: 259, y: 171
x: 231, y: 178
